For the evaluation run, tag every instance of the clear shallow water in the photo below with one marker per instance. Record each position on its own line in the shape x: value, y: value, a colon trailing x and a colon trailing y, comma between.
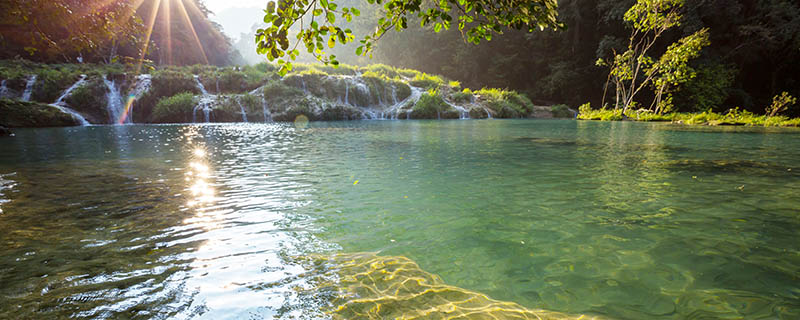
x: 625, y: 220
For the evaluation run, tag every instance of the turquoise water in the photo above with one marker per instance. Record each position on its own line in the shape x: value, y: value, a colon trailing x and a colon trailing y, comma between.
x: 623, y: 220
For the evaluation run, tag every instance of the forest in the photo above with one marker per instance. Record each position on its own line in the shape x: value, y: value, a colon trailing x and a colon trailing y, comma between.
x: 752, y: 55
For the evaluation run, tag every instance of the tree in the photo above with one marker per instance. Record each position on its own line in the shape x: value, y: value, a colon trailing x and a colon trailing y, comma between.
x: 67, y: 29
x: 476, y: 19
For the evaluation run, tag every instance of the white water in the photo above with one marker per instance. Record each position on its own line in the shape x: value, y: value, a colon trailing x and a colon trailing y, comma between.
x: 394, y: 111
x: 114, y: 104
x: 3, y: 89
x: 241, y: 107
x: 26, y: 95
x: 60, y: 105
x: 265, y: 110
x: 205, y: 103
x: 488, y: 113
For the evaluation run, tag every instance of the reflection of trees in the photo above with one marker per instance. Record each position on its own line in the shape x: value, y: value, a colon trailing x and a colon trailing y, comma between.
x: 626, y: 162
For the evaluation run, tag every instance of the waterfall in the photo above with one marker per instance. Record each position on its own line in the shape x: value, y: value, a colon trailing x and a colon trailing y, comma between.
x: 114, y: 104
x: 200, y: 85
x: 265, y: 110
x: 303, y: 81
x: 3, y: 89
x: 346, y: 91
x: 394, y: 110
x: 205, y: 103
x: 241, y: 107
x: 143, y: 84
x: 26, y: 95
x: 60, y: 105
x: 488, y: 114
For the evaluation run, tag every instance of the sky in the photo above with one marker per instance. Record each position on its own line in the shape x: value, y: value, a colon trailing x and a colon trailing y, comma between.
x: 236, y: 16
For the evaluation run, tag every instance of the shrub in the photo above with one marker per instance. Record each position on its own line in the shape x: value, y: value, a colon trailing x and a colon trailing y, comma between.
x: 561, y: 111
x: 175, y: 109
x: 430, y: 106
x: 462, y: 97
x: 506, y: 103
x: 278, y: 90
x: 426, y: 81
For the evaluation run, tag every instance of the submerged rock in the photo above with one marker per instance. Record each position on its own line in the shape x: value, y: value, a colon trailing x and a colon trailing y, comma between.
x: 5, y: 132
x: 367, y: 286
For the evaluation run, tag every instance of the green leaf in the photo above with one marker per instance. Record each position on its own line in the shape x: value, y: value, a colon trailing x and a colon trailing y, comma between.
x: 359, y: 50
x: 355, y: 11
x: 331, y: 17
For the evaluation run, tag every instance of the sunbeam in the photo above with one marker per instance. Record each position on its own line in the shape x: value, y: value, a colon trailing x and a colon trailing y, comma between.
x: 150, y: 24
x: 167, y: 20
x: 188, y: 21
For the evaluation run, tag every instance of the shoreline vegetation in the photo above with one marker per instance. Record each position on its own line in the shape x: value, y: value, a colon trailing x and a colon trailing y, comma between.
x: 115, y: 93
x: 733, y: 117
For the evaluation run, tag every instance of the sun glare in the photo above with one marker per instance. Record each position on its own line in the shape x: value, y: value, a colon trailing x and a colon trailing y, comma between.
x: 165, y: 16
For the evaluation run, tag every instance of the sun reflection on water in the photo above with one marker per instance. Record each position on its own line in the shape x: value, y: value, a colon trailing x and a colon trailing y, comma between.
x: 201, y: 192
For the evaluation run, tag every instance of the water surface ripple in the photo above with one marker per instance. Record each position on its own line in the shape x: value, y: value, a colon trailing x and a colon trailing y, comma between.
x: 622, y: 220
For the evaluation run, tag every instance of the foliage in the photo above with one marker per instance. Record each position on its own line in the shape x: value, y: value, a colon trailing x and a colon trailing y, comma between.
x: 63, y: 30
x: 430, y: 106
x: 174, y: 109
x: 90, y: 99
x: 634, y: 69
x: 478, y: 19
x: 708, y: 89
x: 780, y: 103
x: 561, y: 111
x: 734, y: 116
x: 426, y: 81
x: 462, y: 97
x: 505, y: 103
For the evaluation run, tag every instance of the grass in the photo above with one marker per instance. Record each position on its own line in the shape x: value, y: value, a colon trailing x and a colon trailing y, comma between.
x: 427, y: 81
x: 506, y: 103
x: 733, y: 117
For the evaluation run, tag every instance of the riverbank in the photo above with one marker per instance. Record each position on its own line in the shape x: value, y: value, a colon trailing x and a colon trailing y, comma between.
x: 114, y: 94
x: 733, y: 117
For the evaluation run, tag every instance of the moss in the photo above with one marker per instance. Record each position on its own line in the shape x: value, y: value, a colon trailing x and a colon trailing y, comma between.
x: 381, y: 70
x: 426, y: 81
x: 506, y: 103
x: 561, y: 111
x: 167, y: 82
x: 431, y: 105
x: 462, y: 97
x: 16, y: 114
x: 175, y: 109
x: 279, y: 90
x: 90, y: 100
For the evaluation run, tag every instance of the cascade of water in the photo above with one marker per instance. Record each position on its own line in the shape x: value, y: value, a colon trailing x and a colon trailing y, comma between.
x: 217, y: 85
x: 488, y: 113
x: 265, y: 110
x: 346, y: 91
x: 394, y: 110
x: 241, y: 107
x: 26, y: 95
x: 114, y: 104
x: 3, y: 89
x: 303, y: 81
x: 205, y: 103
x: 60, y: 105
